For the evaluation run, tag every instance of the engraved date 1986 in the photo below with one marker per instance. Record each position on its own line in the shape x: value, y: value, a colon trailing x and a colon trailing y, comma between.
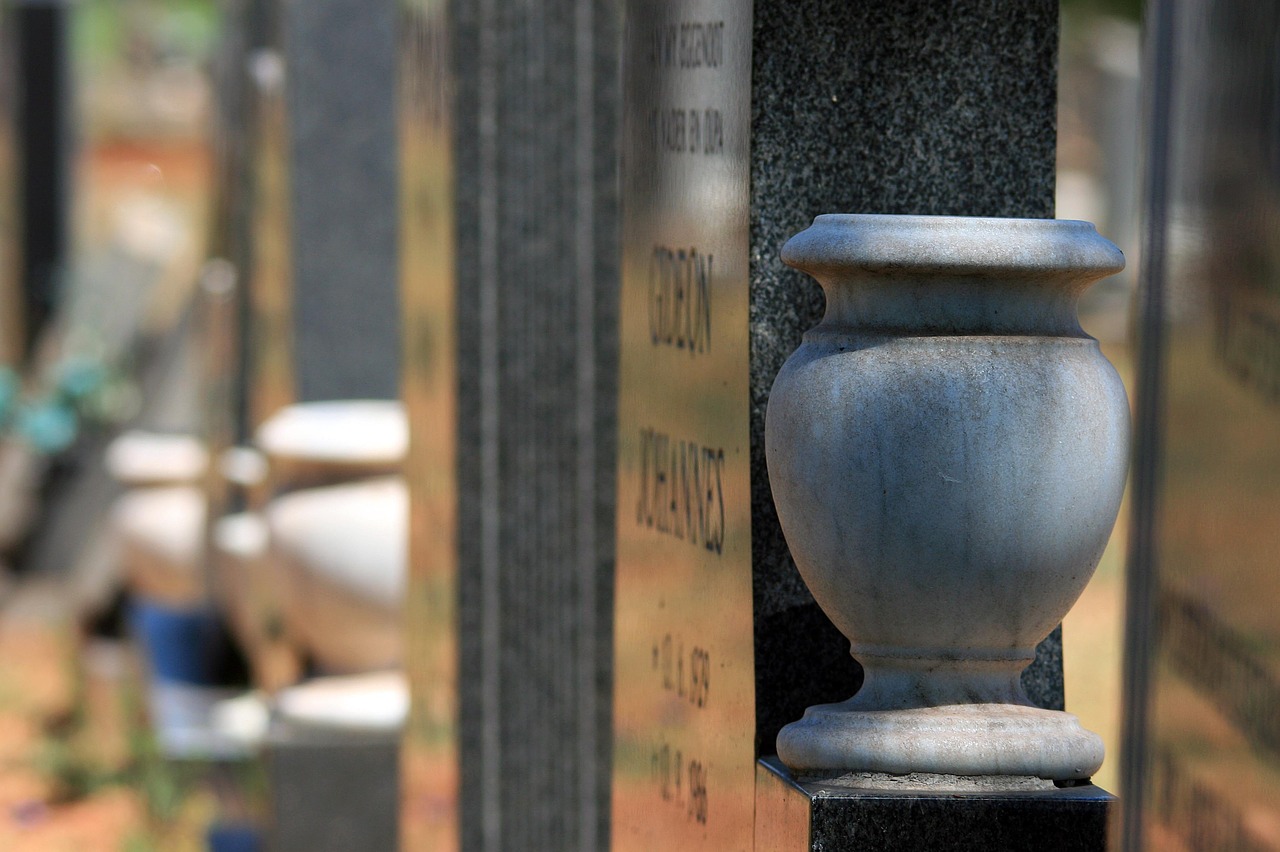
x: 681, y: 780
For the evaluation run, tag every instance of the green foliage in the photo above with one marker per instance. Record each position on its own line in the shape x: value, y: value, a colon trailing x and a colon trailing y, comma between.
x: 104, y: 31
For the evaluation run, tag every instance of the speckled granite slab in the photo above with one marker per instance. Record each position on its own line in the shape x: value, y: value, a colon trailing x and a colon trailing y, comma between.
x: 798, y: 817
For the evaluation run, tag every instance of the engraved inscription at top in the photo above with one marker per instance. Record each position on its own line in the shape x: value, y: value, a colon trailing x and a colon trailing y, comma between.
x: 688, y: 44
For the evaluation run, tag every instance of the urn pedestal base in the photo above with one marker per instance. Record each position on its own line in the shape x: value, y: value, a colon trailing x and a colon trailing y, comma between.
x: 925, y: 714
x: 1010, y: 740
x: 794, y: 816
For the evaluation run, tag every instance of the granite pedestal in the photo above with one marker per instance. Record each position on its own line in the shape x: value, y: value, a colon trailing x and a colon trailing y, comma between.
x: 332, y: 753
x: 332, y: 793
x: 794, y: 816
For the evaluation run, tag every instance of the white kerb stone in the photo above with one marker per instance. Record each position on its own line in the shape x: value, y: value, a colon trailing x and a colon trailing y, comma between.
x: 138, y: 457
x: 377, y: 702
x: 353, y: 536
x: 372, y: 432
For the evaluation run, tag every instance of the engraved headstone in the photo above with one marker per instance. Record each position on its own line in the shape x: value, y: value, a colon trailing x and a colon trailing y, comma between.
x: 1201, y: 731
x: 741, y: 123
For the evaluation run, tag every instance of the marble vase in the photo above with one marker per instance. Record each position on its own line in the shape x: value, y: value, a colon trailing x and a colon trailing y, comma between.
x: 947, y: 451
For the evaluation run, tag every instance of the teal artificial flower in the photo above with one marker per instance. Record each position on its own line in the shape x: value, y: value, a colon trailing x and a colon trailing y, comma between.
x: 79, y: 379
x: 48, y: 426
x: 9, y: 389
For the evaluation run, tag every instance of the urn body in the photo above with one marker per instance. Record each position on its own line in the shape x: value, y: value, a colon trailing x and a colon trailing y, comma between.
x: 947, y: 452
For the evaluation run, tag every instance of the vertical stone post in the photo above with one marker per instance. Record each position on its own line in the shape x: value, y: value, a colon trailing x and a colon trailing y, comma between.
x: 44, y: 74
x: 511, y: 393
x: 11, y: 311
x: 340, y: 83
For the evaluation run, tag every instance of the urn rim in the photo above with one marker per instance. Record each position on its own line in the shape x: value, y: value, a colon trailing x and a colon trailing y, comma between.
x: 960, y: 245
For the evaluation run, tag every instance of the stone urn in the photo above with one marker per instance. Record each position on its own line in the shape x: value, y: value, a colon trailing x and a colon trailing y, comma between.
x: 947, y: 451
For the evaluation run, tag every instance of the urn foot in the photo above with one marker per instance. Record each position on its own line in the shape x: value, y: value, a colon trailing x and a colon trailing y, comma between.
x: 835, y: 741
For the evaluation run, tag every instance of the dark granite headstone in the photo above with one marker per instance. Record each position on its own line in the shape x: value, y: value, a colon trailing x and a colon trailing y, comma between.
x: 324, y: 317
x: 1201, y: 730
x: 45, y: 110
x: 11, y: 318
x: 331, y: 792
x: 509, y: 187
x: 742, y: 123
x: 339, y: 128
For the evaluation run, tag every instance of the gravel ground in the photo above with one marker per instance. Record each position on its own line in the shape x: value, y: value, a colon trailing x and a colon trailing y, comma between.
x: 75, y: 770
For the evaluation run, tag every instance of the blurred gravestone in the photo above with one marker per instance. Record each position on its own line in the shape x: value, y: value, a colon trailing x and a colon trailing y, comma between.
x: 325, y: 323
x: 340, y: 83
x: 510, y: 290
x: 1201, y: 733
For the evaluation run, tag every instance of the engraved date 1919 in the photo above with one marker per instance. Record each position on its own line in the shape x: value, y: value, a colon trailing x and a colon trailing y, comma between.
x: 688, y: 675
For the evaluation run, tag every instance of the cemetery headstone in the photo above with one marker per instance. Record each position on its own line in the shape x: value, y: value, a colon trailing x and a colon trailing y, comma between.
x: 325, y: 322
x: 741, y: 123
x: 1202, y: 680
x: 332, y: 792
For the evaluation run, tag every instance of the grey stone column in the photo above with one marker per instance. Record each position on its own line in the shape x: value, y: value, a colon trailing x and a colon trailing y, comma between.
x: 340, y: 85
x: 535, y: 153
